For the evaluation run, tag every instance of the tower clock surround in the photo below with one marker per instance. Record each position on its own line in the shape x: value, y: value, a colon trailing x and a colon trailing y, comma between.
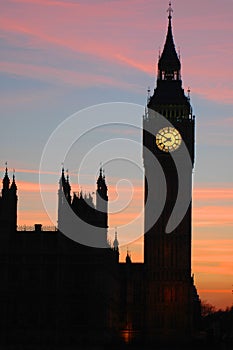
x: 169, y: 287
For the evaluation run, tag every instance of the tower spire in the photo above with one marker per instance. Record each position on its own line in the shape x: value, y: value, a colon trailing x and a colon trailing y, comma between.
x: 169, y: 63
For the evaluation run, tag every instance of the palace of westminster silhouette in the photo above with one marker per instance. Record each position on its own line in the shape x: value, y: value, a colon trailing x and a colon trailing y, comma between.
x: 58, y: 294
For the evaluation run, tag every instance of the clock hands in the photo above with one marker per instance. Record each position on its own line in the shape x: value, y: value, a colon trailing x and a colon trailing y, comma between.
x: 165, y: 137
x: 168, y: 139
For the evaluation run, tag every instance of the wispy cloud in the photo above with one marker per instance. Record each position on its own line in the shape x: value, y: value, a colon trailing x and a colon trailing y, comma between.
x: 104, y: 33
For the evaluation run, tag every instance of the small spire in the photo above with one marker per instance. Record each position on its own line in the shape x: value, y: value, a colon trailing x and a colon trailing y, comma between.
x: 62, y: 178
x: 13, y: 184
x: 116, y: 243
x: 148, y: 94
x: 170, y: 10
x: 128, y: 257
x: 68, y: 187
x: 63, y: 170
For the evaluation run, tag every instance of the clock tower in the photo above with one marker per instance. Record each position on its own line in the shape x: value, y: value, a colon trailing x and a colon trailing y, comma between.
x: 168, y: 155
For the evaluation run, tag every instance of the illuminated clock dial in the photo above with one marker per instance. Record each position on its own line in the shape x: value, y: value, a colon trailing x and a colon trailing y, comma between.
x: 168, y: 139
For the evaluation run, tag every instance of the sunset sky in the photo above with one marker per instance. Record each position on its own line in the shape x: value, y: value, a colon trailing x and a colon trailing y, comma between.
x: 58, y: 57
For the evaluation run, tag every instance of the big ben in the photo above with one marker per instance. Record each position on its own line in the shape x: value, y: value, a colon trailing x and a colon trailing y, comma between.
x: 168, y: 155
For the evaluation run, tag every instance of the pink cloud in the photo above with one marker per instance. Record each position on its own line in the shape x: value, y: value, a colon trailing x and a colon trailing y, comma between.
x: 48, y: 3
x: 102, y: 32
x: 60, y: 76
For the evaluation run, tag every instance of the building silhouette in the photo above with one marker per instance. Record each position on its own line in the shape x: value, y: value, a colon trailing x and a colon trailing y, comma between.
x: 56, y: 293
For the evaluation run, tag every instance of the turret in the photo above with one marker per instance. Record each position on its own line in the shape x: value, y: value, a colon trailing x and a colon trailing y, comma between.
x: 101, y: 186
x: 102, y: 199
x: 65, y: 185
x: 128, y: 258
x: 5, y: 183
x: 61, y: 199
x: 13, y: 187
x: 8, y: 204
x: 14, y: 200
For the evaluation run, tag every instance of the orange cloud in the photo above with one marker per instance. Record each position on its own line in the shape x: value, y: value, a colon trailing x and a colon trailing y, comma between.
x: 213, y: 194
x: 214, y: 290
x: 32, y: 217
x: 32, y: 171
x: 206, y: 213
x: 218, y: 298
x: 213, y: 267
x: 213, y: 215
x: 31, y: 187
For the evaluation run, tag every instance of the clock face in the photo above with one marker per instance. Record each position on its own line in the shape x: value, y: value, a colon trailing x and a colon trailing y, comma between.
x: 168, y: 139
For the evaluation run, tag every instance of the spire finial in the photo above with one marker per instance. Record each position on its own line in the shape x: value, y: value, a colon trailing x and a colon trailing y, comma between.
x: 170, y: 10
x: 6, y: 168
